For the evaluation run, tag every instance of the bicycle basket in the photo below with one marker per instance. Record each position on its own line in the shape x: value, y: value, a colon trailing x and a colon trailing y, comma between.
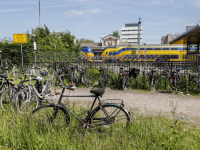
x: 134, y: 72
x: 113, y: 101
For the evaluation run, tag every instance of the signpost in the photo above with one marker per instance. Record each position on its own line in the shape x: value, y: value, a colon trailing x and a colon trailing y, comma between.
x: 20, y: 38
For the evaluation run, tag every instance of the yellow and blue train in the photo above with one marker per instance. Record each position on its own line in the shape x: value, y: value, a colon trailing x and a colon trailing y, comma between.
x: 150, y: 53
x: 87, y: 53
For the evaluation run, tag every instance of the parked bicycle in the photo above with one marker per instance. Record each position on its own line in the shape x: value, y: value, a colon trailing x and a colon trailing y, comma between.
x: 152, y: 77
x: 31, y: 96
x: 106, y: 114
x: 104, y: 78
x: 175, y: 79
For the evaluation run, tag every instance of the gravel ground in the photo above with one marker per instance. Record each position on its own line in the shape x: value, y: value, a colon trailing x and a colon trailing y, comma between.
x: 145, y: 102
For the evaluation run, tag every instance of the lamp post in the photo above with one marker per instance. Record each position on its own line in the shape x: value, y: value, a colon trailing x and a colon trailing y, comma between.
x: 34, y: 46
x: 39, y: 15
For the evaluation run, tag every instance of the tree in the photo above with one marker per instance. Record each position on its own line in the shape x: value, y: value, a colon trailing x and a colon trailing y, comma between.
x: 82, y: 40
x: 116, y: 34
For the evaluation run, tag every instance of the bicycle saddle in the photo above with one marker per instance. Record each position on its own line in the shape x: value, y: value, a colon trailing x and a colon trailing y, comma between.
x: 72, y: 67
x: 44, y: 73
x: 3, y: 76
x: 98, y: 92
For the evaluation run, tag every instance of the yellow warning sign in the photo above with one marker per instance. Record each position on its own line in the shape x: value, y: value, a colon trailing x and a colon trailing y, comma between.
x: 20, y: 38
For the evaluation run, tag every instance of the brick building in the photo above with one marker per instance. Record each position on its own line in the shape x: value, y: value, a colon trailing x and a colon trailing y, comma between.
x: 109, y: 41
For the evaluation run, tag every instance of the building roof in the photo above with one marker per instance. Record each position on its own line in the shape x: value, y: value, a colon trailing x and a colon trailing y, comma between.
x: 191, y: 36
x: 110, y: 36
x: 131, y: 24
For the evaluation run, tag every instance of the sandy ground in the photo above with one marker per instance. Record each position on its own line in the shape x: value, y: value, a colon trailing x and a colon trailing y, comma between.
x: 145, y: 102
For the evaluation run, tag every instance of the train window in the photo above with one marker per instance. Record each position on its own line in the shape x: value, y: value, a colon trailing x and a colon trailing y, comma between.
x: 157, y: 48
x: 141, y: 56
x: 149, y: 48
x: 165, y: 48
x: 184, y: 48
x: 174, y: 56
x: 141, y: 48
x: 173, y: 48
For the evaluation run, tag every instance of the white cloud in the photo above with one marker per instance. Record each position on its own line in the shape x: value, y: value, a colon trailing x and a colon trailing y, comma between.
x: 95, y: 11
x: 74, y: 13
x: 13, y: 10
x: 194, y: 2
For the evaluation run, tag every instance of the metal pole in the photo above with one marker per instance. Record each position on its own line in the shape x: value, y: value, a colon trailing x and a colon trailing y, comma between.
x: 139, y: 25
x: 22, y: 58
x: 39, y: 15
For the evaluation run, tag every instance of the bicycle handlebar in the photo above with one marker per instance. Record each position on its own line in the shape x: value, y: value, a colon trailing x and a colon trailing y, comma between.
x: 66, y: 87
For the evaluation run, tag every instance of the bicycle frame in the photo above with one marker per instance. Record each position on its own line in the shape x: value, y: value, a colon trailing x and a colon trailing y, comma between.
x: 68, y: 110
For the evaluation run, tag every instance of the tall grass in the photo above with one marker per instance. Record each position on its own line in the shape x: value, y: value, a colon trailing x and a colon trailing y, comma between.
x: 144, y: 132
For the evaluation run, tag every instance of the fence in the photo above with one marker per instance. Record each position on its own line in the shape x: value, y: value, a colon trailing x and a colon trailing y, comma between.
x: 115, y: 66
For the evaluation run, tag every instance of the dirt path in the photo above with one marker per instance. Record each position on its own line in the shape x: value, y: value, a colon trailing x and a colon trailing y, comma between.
x: 153, y: 102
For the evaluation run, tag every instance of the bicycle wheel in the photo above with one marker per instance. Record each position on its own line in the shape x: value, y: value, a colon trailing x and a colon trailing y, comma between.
x: 150, y: 83
x: 4, y: 86
x: 133, y: 81
x: 24, y: 102
x: 94, y: 79
x: 101, y: 80
x: 49, y: 92
x: 109, y: 82
x: 109, y: 115
x: 7, y: 98
x: 119, y: 85
x: 50, y: 114
x: 85, y: 80
x: 171, y: 83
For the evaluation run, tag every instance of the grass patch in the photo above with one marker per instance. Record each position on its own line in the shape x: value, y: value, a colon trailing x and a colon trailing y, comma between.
x: 144, y: 132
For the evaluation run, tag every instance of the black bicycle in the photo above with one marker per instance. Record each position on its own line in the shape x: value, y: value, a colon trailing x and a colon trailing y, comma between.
x: 152, y: 77
x: 104, y: 78
x: 175, y: 79
x: 107, y: 112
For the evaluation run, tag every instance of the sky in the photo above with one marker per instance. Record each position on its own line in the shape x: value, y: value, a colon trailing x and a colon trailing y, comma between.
x: 90, y: 19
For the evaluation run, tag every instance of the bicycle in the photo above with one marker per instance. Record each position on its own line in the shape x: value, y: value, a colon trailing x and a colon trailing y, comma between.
x: 104, y: 115
x: 152, y: 76
x: 84, y: 77
x: 104, y: 78
x: 8, y: 94
x: 123, y: 78
x: 74, y: 75
x: 133, y: 73
x: 193, y: 77
x: 174, y: 79
x: 31, y: 96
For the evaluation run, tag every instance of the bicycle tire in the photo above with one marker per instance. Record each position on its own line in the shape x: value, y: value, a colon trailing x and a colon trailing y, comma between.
x: 109, y: 82
x: 22, y: 103
x: 120, y: 82
x: 7, y: 98
x: 5, y: 86
x: 133, y: 81
x: 117, y: 116
x: 101, y: 80
x: 150, y: 83
x: 171, y: 83
x: 86, y: 81
x: 48, y: 114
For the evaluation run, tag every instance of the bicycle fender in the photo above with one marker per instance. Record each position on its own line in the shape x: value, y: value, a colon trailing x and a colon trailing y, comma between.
x: 109, y: 104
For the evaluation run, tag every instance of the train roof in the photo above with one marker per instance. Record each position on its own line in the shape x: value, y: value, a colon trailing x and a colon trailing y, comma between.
x: 86, y: 50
